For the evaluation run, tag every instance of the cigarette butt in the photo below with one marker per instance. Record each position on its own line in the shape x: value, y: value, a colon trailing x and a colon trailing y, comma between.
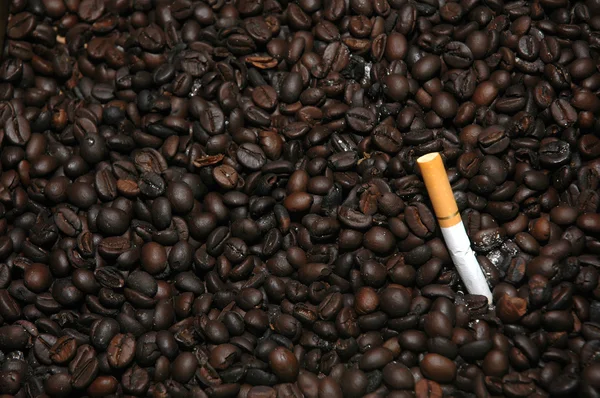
x: 453, y: 229
x: 438, y: 187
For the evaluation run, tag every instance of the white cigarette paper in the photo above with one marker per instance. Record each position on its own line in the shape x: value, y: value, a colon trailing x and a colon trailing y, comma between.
x: 453, y: 229
x: 465, y: 261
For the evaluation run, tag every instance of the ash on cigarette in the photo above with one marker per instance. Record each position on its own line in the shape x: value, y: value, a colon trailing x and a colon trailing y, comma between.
x: 487, y: 239
x: 357, y: 69
x: 195, y: 88
x: 496, y: 257
x: 510, y: 247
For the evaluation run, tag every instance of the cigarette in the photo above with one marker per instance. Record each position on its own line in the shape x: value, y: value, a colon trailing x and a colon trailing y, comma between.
x: 453, y: 229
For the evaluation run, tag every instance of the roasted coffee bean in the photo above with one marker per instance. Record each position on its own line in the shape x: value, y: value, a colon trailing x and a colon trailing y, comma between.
x: 151, y: 185
x: 9, y: 307
x: 226, y: 176
x: 184, y: 367
x: 516, y: 384
x: 361, y: 120
x: 58, y: 384
x: 18, y: 131
x: 251, y: 156
x: 284, y: 364
x: 121, y: 350
x: 438, y: 368
x: 426, y: 67
x: 428, y: 389
x: 102, y: 386
x: 458, y: 55
x: 84, y: 367
x: 554, y: 154
x: 63, y: 350
x: 14, y: 337
x: 493, y: 140
x: 135, y: 380
x: 387, y: 138
x: 563, y: 113
x: 420, y: 220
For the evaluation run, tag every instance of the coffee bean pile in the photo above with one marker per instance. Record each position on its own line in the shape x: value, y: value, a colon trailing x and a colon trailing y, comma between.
x: 221, y: 199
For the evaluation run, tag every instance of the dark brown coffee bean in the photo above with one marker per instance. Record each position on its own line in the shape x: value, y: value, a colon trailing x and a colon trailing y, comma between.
x: 121, y: 350
x: 375, y: 358
x: 106, y: 185
x: 425, y: 68
x: 387, y: 138
x: 13, y: 337
x: 212, y: 120
x: 361, y: 120
x: 444, y: 105
x: 184, y: 367
x: 458, y: 55
x: 112, y: 247
x: 428, y: 389
x: 84, y: 367
x: 438, y: 368
x: 293, y: 88
x: 516, y: 384
x: 9, y: 308
x: 298, y: 202
x: 135, y: 380
x: 437, y: 324
x: 511, y: 309
x: 379, y: 240
x: 63, y: 350
x: 420, y: 220
x: 284, y: 364
x: 17, y: 130
x: 563, y: 113
x: 251, y: 156
x: 549, y: 49
x: 102, y: 386
x: 58, y: 384
x: 554, y: 153
x: 225, y: 176
x: 493, y: 140
x: 265, y: 97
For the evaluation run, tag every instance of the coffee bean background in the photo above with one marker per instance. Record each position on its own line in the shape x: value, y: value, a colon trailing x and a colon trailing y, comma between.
x: 220, y: 198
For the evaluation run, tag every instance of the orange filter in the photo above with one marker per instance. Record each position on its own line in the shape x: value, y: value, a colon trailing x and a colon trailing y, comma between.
x: 440, y: 192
